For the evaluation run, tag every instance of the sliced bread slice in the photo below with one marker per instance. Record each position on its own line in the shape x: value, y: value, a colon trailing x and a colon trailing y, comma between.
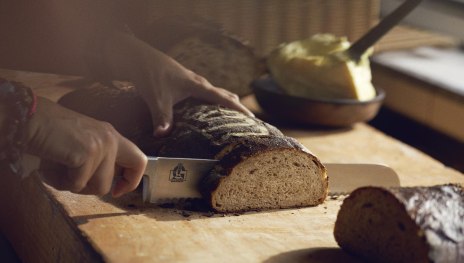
x: 409, y: 224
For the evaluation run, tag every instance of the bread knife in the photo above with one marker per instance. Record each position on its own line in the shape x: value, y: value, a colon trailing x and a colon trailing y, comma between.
x: 173, y: 179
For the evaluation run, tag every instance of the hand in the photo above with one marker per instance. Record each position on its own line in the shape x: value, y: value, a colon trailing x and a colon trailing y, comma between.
x: 86, y: 150
x: 161, y: 81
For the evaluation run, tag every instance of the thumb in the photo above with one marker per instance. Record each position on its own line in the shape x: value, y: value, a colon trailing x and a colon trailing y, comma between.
x: 53, y: 174
x: 162, y: 119
x: 162, y: 130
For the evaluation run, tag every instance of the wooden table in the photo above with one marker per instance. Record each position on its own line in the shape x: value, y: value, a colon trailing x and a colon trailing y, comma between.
x: 45, y: 225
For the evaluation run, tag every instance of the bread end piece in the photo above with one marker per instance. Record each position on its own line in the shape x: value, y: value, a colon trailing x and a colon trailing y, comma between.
x: 207, y: 49
x: 408, y: 224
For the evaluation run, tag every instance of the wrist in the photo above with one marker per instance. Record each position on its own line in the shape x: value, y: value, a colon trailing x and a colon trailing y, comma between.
x: 18, y: 105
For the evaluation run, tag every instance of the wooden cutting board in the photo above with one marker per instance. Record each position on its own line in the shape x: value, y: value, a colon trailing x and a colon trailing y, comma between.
x: 72, y: 228
x: 46, y: 225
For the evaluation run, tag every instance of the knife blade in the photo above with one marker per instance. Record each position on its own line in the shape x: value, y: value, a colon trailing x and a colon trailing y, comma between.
x: 346, y: 177
x: 173, y: 179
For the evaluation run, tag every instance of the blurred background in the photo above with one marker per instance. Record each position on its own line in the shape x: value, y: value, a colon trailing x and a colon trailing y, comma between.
x: 425, y: 82
x: 418, y: 63
x: 445, y: 16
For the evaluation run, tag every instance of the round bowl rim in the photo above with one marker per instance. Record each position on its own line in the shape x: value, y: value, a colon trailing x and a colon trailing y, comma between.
x: 380, y: 94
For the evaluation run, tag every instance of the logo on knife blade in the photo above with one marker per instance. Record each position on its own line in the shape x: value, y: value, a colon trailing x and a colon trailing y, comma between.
x: 178, y: 174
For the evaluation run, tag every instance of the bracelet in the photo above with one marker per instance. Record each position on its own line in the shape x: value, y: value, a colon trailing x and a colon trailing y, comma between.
x: 21, y: 104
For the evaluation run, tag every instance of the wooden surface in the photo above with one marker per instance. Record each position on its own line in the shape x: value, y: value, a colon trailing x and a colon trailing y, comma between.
x: 46, y: 225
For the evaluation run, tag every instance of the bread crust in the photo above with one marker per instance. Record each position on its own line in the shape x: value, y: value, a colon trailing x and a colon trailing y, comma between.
x: 435, y: 213
x: 211, y: 183
x: 200, y: 131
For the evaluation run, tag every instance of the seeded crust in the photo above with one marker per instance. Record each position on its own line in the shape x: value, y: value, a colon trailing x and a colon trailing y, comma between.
x: 409, y: 224
x: 259, y: 168
x: 205, y: 48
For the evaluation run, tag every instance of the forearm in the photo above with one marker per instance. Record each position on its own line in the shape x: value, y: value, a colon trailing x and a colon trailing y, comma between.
x: 17, y: 104
x: 126, y: 57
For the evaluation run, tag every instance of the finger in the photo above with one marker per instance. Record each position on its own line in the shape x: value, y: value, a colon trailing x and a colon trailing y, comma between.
x: 101, y: 181
x: 162, y: 121
x: 78, y: 177
x: 237, y: 105
x: 63, y: 178
x: 224, y: 98
x: 53, y: 174
x: 134, y: 163
x: 161, y: 115
x: 162, y: 130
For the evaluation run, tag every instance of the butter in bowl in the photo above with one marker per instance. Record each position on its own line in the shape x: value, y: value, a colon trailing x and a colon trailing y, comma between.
x: 312, y: 82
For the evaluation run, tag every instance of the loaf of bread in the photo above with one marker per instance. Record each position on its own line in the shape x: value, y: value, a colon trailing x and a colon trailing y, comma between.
x: 410, y: 224
x: 259, y: 167
x: 205, y: 48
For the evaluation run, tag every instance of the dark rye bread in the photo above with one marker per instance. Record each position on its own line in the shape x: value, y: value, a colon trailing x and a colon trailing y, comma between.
x: 409, y: 224
x: 205, y: 48
x: 259, y: 167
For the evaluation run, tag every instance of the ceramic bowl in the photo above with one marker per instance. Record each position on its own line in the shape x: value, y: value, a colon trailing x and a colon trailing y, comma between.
x: 313, y: 111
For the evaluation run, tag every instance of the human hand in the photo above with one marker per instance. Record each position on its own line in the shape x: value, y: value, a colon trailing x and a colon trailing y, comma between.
x: 81, y: 153
x: 162, y: 81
